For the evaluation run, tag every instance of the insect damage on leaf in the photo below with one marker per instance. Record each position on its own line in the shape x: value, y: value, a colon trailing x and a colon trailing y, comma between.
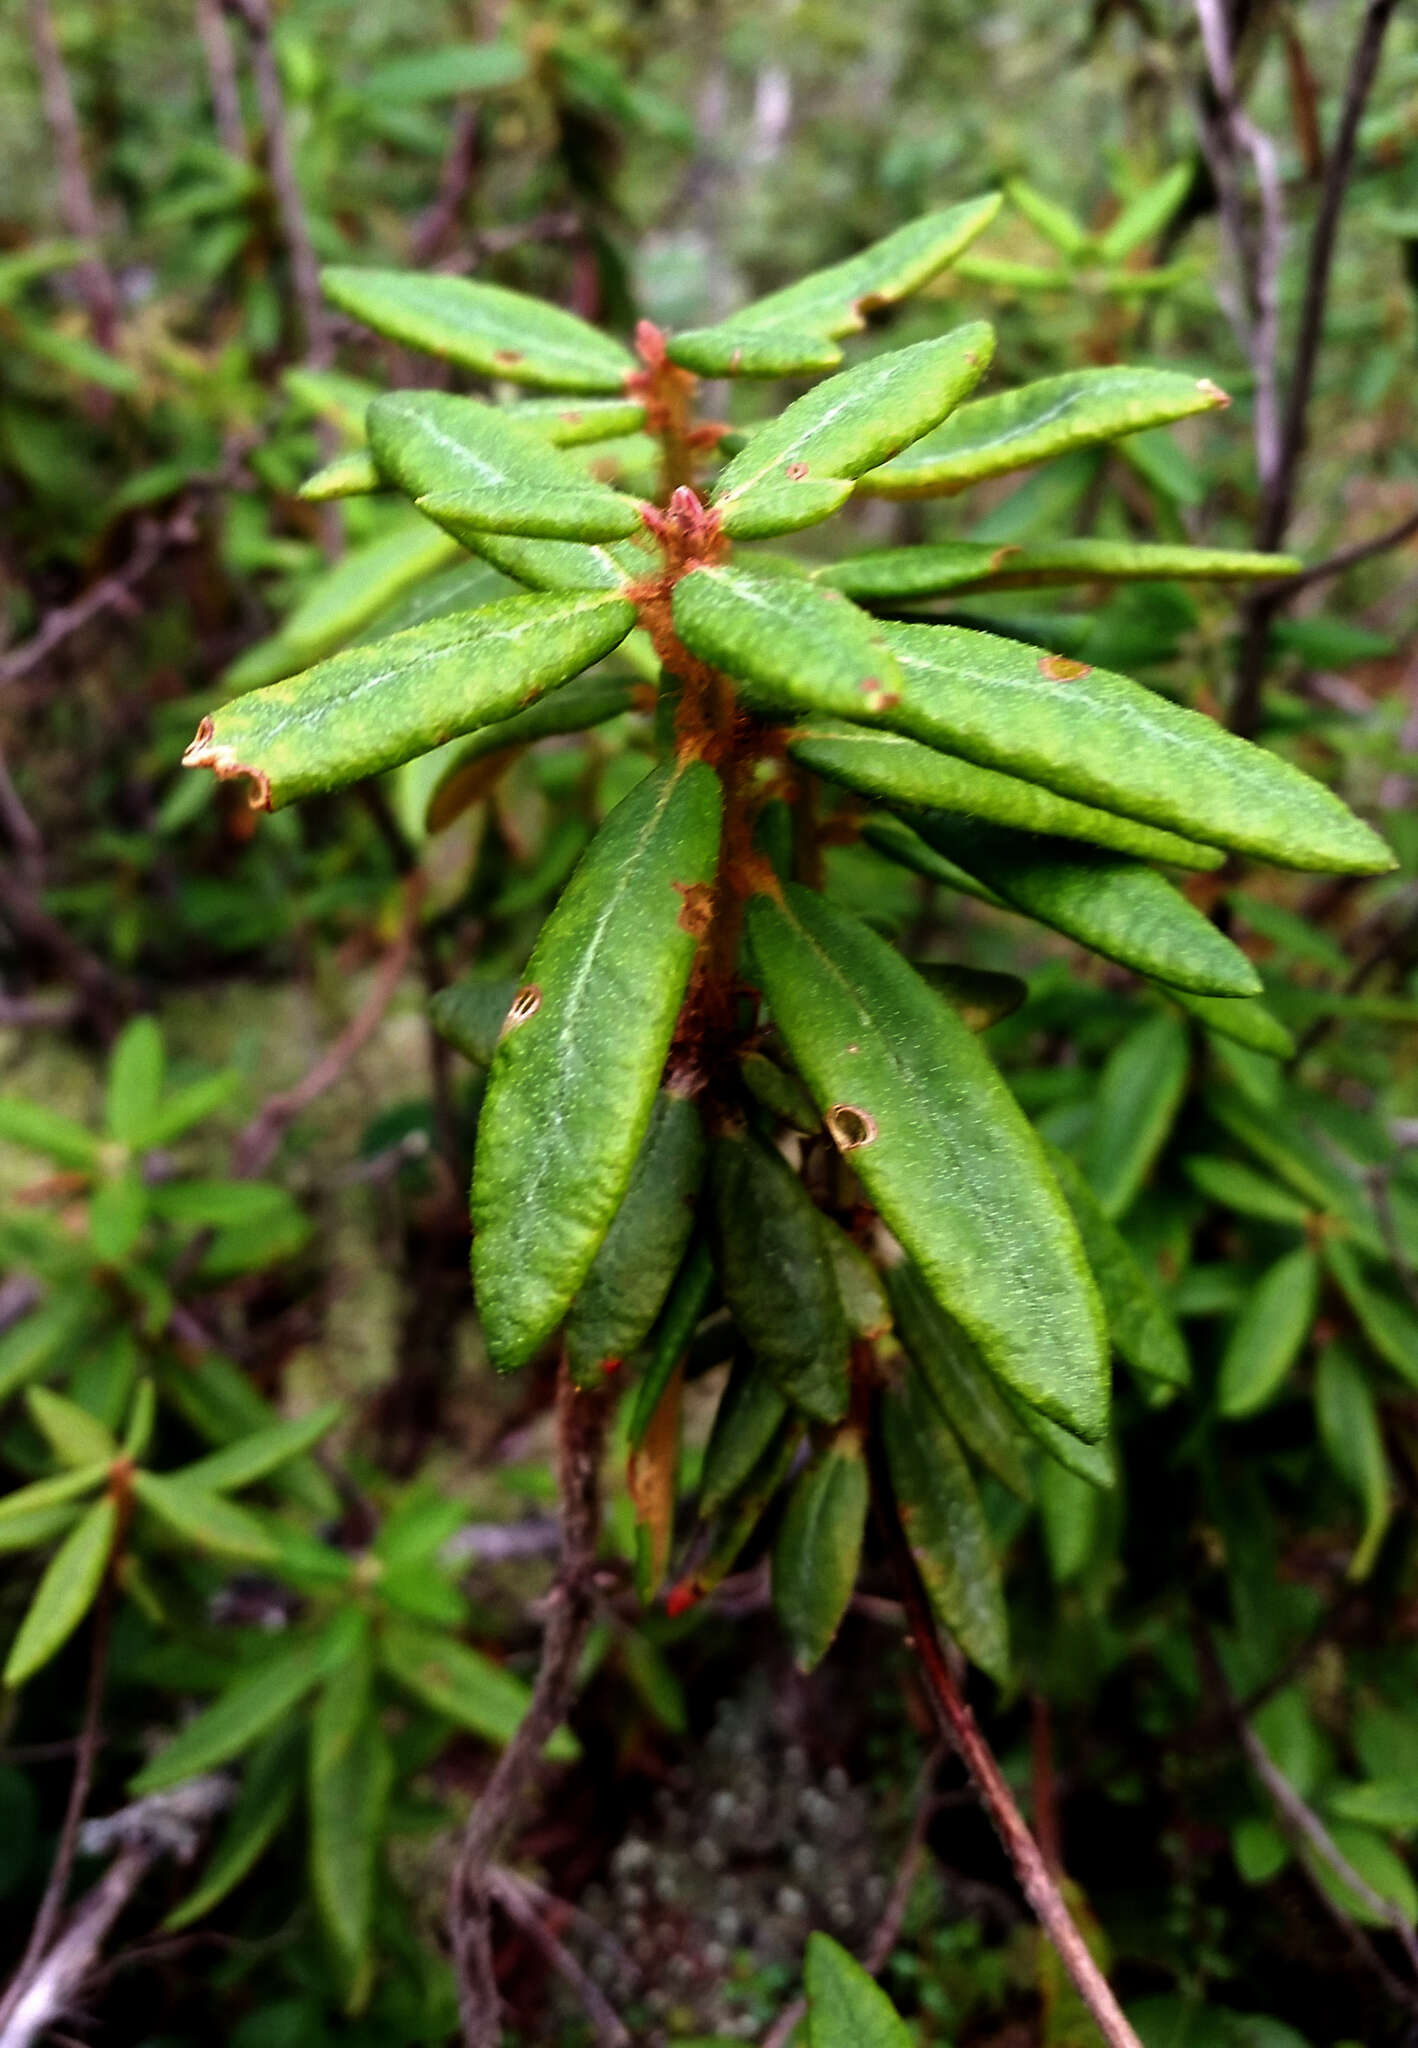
x: 851, y: 1128
x: 1060, y: 669
x: 697, y: 912
x: 524, y: 1004
x: 225, y: 765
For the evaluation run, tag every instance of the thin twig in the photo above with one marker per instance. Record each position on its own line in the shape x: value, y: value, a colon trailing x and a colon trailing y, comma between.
x: 257, y: 1145
x: 581, y: 1425
x: 53, y: 1987
x: 76, y: 198
x: 454, y: 182
x: 315, y: 339
x: 155, y: 538
x: 61, y: 1869
x: 1348, y: 558
x: 958, y: 1724
x: 887, y: 1932
x: 215, y: 38
x: 507, y: 1891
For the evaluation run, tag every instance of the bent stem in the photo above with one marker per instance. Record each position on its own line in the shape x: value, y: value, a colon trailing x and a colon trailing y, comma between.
x: 959, y: 1725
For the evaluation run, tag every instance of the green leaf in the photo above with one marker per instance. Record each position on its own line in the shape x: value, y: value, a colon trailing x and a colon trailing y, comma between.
x: 845, y: 2008
x: 640, y: 1254
x: 574, y: 1079
x: 688, y: 1299
x: 142, y: 1414
x: 252, y: 1457
x: 745, y: 1423
x: 186, y: 1107
x: 135, y: 1077
x: 1139, y: 1093
x: 1142, y: 1327
x: 782, y: 1094
x: 1245, y: 1192
x: 1106, y: 901
x: 373, y: 707
x: 255, y: 1704
x: 899, y: 770
x: 777, y: 1275
x: 1069, y: 1512
x: 45, y: 1494
x: 888, y: 575
x: 65, y: 1593
x: 575, y: 423
x: 735, y: 349
x: 197, y: 1516
x: 39, y: 1129
x: 809, y: 648
x: 446, y: 72
x: 819, y: 1547
x: 29, y: 1347
x: 350, y: 1776
x: 1036, y: 422
x: 472, y: 467
x: 1269, y: 1335
x: 76, y: 1438
x: 943, y: 1150
x: 1381, y: 1868
x: 850, y: 423
x: 1387, y: 1323
x: 1054, y: 222
x: 1243, y: 1020
x: 979, y: 995
x: 222, y: 1204
x: 345, y: 599
x: 263, y: 1805
x: 944, y: 1524
x: 351, y: 475
x: 837, y: 300
x: 482, y: 327
x: 462, y: 1685
x: 1106, y: 741
x: 859, y: 1285
x: 1390, y: 1805
x: 565, y: 564
x: 470, y: 1014
x: 1297, y: 1161
x: 34, y: 1528
x: 1147, y: 213
x: 470, y: 766
x: 117, y: 1214
x: 1094, y: 1463
x: 1349, y: 1428
x: 958, y: 1379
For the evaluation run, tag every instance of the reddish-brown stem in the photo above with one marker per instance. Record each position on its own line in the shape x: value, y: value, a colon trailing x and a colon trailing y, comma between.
x: 958, y: 1723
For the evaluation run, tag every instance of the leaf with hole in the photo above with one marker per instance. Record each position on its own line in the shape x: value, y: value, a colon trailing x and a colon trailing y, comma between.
x: 914, y: 1103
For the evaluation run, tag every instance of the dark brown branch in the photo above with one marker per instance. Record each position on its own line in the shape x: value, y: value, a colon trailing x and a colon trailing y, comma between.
x: 1350, y: 557
x: 285, y: 186
x: 521, y: 1909
x: 257, y: 1144
x: 51, y: 1904
x: 455, y: 180
x: 114, y: 592
x: 76, y: 199
x: 581, y: 1426
x: 215, y: 39
x: 958, y: 1724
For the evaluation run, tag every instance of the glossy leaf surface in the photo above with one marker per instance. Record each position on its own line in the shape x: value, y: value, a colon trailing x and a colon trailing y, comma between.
x: 574, y: 1078
x: 941, y: 1147
x: 809, y: 647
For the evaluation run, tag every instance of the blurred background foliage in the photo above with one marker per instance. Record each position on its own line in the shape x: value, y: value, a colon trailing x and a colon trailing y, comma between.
x: 1211, y: 1660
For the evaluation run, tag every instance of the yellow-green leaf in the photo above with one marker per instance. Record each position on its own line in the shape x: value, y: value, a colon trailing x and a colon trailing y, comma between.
x: 65, y: 1593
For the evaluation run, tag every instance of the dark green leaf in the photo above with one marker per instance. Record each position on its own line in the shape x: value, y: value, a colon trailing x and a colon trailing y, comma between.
x: 372, y: 707
x: 268, y: 1792
x: 483, y: 327
x: 958, y: 1379
x: 979, y: 995
x: 349, y: 1782
x: 944, y: 1525
x: 819, y: 1547
x: 197, y: 1516
x: 1140, y: 1324
x: 470, y: 1014
x: 1269, y: 1334
x: 745, y: 1423
x: 575, y: 1075
x: 1388, y: 1324
x: 688, y: 1299
x: 1350, y: 1431
x: 859, y: 1285
x: 777, y: 1275
x: 913, y: 1101
x: 469, y: 765
x: 462, y: 1685
x: 1139, y: 1093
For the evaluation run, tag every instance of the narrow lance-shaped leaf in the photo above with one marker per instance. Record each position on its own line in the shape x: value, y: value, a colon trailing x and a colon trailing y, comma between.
x: 979, y: 995
x: 1352, y: 1436
x: 1036, y: 422
x: 641, y: 1253
x: 41, y: 1129
x: 135, y: 1078
x: 777, y: 1275
x: 819, y: 1547
x: 1139, y: 1094
x: 76, y: 1437
x: 264, y: 1451
x: 1104, y: 900
x: 205, y: 1519
x: 373, y: 707
x: 462, y: 1685
x: 736, y: 349
x: 1241, y: 1019
x: 472, y: 467
x: 958, y: 1379
x: 65, y: 1593
x: 349, y: 1781
x: 899, y: 770
x: 860, y: 1287
x: 344, y: 600
x: 1106, y: 741
x: 351, y: 475
x: 1246, y: 1192
x: 267, y: 1795
x: 810, y: 648
x: 750, y: 1410
x: 679, y: 1319
x: 1070, y: 1511
x: 837, y: 300
x: 944, y: 1524
x: 565, y: 564
x: 578, y: 422
x: 1388, y: 1323
x: 1269, y: 1334
x: 845, y: 425
x: 887, y: 575
x: 845, y: 2008
x: 1141, y: 1326
x: 573, y: 1083
x: 483, y: 327
x: 912, y: 1100
x: 470, y: 1014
